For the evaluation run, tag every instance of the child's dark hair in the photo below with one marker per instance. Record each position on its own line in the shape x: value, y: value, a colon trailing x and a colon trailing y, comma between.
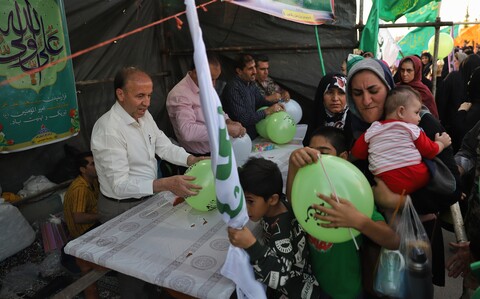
x: 335, y: 136
x: 80, y: 159
x: 261, y: 177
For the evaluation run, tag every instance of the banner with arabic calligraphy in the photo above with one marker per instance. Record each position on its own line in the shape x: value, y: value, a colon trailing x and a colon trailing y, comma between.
x: 310, y: 12
x: 40, y: 108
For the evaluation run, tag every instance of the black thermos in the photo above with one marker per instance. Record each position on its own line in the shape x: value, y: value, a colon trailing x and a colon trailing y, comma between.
x: 418, y: 275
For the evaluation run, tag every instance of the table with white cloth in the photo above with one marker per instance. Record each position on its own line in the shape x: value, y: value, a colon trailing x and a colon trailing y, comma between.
x: 171, y: 246
x: 175, y: 247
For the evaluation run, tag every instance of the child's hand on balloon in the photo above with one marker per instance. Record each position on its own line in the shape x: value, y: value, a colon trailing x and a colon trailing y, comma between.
x: 304, y: 156
x: 341, y: 213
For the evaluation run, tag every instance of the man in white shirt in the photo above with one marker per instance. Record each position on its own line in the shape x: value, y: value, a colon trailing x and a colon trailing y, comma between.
x: 124, y: 143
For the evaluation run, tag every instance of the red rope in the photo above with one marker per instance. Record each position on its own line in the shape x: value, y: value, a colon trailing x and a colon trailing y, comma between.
x: 89, y: 49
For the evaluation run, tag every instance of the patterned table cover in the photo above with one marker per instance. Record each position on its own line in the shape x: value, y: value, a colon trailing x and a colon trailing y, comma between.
x: 171, y: 246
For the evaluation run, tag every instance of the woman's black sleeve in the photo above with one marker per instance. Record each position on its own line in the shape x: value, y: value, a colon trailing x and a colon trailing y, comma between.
x: 426, y: 201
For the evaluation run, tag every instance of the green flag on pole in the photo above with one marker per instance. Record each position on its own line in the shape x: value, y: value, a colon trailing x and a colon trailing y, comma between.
x: 369, y: 38
x: 416, y: 40
x: 427, y: 13
x: 391, y: 11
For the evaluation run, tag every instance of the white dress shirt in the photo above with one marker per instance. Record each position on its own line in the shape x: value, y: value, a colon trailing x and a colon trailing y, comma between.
x: 124, y: 153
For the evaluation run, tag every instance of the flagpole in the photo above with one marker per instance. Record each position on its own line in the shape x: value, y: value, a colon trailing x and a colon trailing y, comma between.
x: 435, y: 52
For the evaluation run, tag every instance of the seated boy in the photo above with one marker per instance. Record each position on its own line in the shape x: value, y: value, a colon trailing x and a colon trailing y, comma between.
x: 282, y: 262
x: 80, y: 212
x: 337, y: 266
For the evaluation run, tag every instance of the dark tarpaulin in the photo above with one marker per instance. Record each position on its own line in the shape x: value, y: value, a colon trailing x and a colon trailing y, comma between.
x: 165, y: 52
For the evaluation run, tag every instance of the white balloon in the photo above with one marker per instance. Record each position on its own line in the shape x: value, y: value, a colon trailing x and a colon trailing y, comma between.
x: 294, y: 109
x: 242, y: 147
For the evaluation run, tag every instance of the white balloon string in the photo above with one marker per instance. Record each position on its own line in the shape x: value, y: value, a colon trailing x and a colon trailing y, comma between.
x: 336, y: 197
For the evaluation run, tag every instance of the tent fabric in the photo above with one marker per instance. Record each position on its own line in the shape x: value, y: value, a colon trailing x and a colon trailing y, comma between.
x: 468, y: 36
x: 165, y: 51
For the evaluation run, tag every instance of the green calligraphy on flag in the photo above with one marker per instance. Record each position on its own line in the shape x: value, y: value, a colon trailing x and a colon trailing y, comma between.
x: 427, y: 13
x: 224, y: 173
x: 392, y: 10
x: 417, y: 40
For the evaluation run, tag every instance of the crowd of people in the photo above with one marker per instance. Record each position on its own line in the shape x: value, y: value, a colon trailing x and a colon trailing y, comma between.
x: 371, y: 87
x: 386, y: 124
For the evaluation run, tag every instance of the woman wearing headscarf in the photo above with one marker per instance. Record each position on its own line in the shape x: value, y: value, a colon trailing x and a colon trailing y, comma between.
x: 427, y: 61
x: 468, y: 113
x: 410, y: 69
x: 368, y: 84
x: 458, y: 58
x: 330, y: 105
x: 455, y: 93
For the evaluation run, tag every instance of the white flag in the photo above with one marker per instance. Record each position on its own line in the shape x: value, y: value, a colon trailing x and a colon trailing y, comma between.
x: 230, y: 198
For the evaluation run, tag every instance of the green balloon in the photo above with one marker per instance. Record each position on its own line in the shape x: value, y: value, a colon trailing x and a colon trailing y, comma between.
x: 261, y: 126
x: 445, y: 45
x: 206, y: 199
x: 348, y: 182
x: 281, y: 127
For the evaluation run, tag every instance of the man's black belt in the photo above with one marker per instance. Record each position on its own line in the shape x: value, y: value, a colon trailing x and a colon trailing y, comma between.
x: 127, y: 200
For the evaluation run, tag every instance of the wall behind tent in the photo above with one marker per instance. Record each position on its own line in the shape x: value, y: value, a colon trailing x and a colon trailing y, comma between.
x: 166, y: 52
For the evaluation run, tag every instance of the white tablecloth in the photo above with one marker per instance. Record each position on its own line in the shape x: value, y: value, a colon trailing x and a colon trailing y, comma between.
x: 175, y: 247
x: 170, y: 246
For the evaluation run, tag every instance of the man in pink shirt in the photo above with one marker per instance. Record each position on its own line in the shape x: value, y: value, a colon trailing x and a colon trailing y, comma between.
x: 185, y: 112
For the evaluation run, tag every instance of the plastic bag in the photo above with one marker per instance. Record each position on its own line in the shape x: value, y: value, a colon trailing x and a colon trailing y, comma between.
x: 389, y: 280
x: 406, y: 273
x: 16, y: 232
x: 34, y: 185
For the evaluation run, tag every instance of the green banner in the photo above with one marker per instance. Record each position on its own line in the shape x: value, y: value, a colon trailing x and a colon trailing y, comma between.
x: 427, y: 13
x: 40, y: 108
x: 390, y: 10
x: 417, y: 40
x: 310, y: 12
